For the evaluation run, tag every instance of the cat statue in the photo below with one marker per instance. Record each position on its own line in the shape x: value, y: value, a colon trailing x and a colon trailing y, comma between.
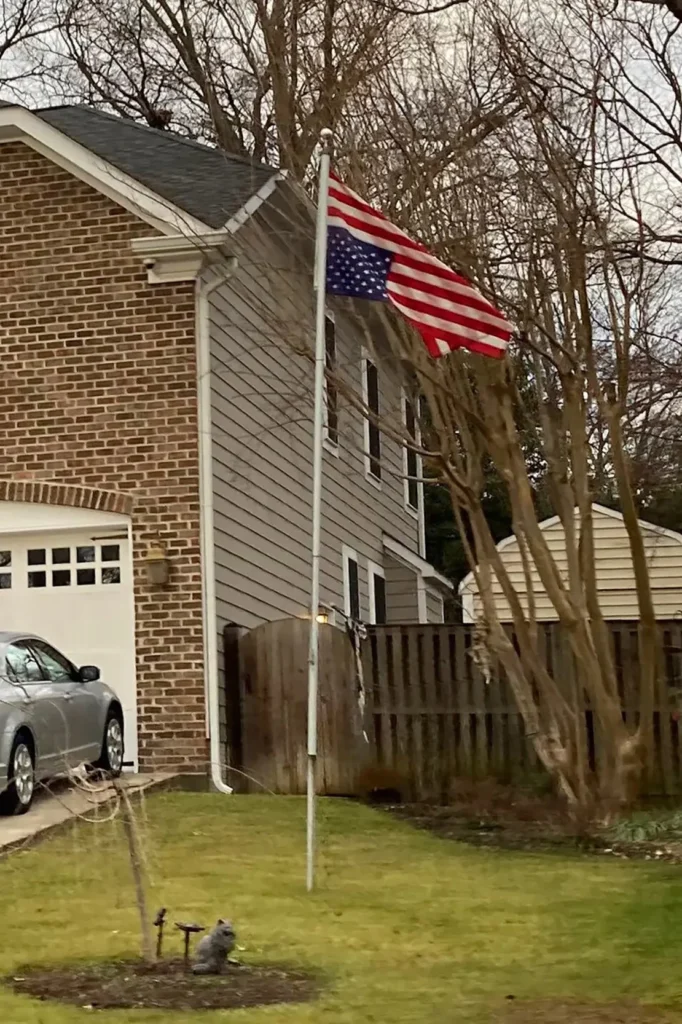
x: 211, y: 953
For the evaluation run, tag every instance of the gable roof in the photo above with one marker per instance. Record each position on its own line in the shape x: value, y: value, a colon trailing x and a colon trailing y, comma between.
x: 547, y: 524
x: 203, y: 181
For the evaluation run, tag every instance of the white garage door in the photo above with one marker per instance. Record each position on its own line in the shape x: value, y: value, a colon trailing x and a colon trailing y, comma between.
x: 72, y: 585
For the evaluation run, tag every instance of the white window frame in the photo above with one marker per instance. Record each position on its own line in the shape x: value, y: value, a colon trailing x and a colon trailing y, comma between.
x: 374, y: 570
x: 330, y: 446
x: 348, y: 553
x: 369, y: 476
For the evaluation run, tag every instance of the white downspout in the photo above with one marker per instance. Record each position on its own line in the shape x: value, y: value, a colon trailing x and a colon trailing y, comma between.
x: 208, y: 587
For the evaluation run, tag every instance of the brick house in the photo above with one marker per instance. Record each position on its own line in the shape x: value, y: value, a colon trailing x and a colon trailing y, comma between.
x: 148, y: 407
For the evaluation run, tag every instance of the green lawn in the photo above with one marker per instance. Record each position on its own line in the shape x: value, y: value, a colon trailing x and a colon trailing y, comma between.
x: 406, y: 927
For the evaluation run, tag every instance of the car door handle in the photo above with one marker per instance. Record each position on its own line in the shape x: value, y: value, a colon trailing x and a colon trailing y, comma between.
x: 68, y: 696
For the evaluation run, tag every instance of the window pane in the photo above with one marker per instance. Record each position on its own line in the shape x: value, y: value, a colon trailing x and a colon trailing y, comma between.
x: 36, y: 556
x: 410, y: 419
x: 374, y: 451
x: 37, y: 579
x: 331, y: 393
x: 61, y: 556
x: 112, y: 575
x: 373, y: 433
x: 5, y: 557
x: 412, y: 485
x: 5, y: 580
x: 61, y: 578
x: 353, y: 589
x: 84, y: 577
x: 379, y: 598
x: 57, y: 667
x: 22, y: 665
x: 85, y: 554
x: 110, y: 553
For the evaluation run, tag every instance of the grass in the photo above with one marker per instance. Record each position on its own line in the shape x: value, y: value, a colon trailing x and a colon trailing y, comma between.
x: 405, y: 926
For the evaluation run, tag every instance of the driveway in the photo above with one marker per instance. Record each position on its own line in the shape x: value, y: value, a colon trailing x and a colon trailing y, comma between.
x: 62, y: 802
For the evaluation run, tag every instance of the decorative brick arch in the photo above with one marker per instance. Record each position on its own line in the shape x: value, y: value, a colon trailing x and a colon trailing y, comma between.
x: 47, y: 492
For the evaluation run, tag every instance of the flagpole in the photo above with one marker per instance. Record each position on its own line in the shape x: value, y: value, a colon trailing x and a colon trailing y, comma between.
x: 318, y: 426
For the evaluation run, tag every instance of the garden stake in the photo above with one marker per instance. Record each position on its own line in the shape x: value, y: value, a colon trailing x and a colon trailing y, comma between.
x: 187, y: 930
x: 159, y: 922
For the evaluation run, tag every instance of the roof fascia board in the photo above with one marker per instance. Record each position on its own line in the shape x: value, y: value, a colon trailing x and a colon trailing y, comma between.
x: 255, y: 202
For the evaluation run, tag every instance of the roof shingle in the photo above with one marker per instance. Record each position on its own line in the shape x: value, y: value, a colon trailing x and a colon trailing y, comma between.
x: 204, y: 182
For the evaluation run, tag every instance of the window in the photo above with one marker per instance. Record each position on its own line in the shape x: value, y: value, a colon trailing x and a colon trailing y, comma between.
x: 6, y: 576
x: 80, y: 566
x: 351, y: 584
x: 370, y: 385
x: 331, y: 395
x: 22, y: 665
x: 411, y: 464
x: 377, y: 593
x: 57, y: 668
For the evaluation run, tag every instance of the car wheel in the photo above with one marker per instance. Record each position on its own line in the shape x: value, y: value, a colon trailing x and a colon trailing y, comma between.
x: 21, y: 782
x: 111, y: 759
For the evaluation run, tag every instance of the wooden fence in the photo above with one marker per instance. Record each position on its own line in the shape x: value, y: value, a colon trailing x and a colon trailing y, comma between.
x: 431, y: 715
x: 267, y: 704
x: 435, y: 717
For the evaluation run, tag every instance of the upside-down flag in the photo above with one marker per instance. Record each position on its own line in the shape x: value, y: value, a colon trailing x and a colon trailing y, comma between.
x: 370, y: 258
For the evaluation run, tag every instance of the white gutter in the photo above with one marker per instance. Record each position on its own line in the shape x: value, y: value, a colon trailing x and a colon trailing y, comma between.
x: 208, y: 587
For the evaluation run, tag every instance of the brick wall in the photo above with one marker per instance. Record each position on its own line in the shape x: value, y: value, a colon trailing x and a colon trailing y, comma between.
x: 98, y: 390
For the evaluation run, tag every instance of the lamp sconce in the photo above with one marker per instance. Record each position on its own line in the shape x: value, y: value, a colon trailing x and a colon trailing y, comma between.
x: 325, y: 615
x: 157, y: 565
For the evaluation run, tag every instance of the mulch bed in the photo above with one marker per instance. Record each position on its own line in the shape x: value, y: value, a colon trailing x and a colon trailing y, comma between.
x: 165, y: 985
x: 548, y: 1011
x: 550, y: 831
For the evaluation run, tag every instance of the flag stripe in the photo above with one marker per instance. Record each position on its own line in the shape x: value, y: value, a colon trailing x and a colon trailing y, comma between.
x: 447, y: 314
x: 448, y: 329
x: 444, y: 297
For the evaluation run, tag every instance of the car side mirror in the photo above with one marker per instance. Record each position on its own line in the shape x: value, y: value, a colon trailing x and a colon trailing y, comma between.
x: 88, y: 674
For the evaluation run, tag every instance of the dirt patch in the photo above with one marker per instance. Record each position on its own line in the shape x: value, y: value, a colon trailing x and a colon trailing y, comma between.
x: 552, y: 1012
x: 496, y: 817
x: 166, y: 985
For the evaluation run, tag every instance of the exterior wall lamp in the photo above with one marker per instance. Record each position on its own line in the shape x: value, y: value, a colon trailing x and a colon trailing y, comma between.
x: 157, y: 565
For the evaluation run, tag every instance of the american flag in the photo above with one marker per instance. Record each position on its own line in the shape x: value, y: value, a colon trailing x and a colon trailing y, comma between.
x: 370, y: 258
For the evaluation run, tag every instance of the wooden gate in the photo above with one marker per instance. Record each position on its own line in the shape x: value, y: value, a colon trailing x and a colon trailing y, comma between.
x: 273, y: 670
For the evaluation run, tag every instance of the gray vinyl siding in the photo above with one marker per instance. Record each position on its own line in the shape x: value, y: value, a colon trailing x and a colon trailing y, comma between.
x: 402, y: 605
x: 262, y: 445
x: 434, y: 606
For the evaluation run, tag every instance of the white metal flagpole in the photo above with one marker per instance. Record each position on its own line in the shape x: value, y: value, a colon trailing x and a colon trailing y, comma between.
x: 318, y: 427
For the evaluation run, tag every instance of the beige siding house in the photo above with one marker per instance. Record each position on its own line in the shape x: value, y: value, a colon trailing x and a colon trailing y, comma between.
x: 617, y: 593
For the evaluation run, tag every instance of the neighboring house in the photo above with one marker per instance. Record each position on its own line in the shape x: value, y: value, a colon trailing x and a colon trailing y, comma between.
x: 615, y: 575
x: 154, y: 313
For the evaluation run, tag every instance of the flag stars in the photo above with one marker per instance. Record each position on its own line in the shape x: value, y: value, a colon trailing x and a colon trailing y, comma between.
x: 356, y: 269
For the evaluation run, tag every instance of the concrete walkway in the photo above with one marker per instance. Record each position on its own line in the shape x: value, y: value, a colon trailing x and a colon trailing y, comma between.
x: 62, y: 802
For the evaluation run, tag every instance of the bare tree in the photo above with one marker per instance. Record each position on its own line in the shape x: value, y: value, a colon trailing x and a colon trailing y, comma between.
x: 23, y: 23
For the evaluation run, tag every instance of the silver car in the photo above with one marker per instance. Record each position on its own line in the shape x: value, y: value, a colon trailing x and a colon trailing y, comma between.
x: 53, y: 717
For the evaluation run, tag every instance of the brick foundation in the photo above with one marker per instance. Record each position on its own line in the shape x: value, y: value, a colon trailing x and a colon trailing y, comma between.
x: 100, y: 410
